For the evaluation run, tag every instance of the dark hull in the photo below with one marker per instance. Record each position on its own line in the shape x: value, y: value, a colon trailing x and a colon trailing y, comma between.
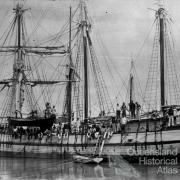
x: 35, y: 155
x: 42, y: 122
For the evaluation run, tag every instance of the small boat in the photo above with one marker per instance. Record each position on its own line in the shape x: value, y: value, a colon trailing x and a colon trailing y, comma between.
x: 42, y: 122
x: 96, y: 157
x: 87, y: 159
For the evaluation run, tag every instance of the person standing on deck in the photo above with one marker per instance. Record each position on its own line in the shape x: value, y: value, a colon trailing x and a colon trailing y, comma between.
x: 118, y: 111
x: 138, y: 107
x: 118, y: 116
x: 171, y: 116
x: 123, y: 123
x: 78, y: 123
x: 175, y: 115
x: 47, y: 110
x: 132, y: 108
x: 53, y: 110
x: 123, y: 109
x: 114, y: 124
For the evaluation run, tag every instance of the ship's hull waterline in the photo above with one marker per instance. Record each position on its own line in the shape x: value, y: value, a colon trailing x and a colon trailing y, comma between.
x: 157, y: 144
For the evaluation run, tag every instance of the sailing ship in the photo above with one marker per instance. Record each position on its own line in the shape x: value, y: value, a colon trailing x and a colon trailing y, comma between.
x: 147, y: 133
x: 20, y: 85
x: 155, y: 132
x: 22, y: 116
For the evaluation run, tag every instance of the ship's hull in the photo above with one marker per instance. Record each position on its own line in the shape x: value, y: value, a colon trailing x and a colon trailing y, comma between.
x: 131, y: 146
x: 42, y: 122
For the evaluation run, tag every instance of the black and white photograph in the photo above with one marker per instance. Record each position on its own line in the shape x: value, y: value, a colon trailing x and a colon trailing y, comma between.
x: 89, y: 89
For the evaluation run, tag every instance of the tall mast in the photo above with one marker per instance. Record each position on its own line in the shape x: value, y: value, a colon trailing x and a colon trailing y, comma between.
x: 131, y: 83
x: 69, y: 86
x: 84, y: 29
x: 85, y: 78
x: 19, y: 16
x: 18, y: 67
x: 131, y: 87
x: 19, y: 80
x: 162, y: 77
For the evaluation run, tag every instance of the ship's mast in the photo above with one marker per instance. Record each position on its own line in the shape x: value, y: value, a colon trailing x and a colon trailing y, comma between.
x: 84, y: 25
x: 163, y: 90
x: 131, y: 87
x: 161, y: 16
x: 18, y: 67
x: 19, y: 80
x: 85, y: 79
x: 131, y: 80
x: 69, y: 85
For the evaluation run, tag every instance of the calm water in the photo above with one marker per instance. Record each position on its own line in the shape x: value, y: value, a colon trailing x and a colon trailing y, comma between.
x: 116, y: 168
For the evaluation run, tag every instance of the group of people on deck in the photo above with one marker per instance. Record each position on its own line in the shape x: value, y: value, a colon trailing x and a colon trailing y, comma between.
x: 173, y: 115
x: 49, y: 111
x: 98, y: 130
x: 134, y: 110
x: 120, y: 120
x: 134, y: 113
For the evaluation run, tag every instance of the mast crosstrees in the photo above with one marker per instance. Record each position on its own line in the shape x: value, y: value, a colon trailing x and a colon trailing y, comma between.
x: 87, y: 71
x: 21, y: 83
x: 18, y: 67
x: 80, y: 58
x: 162, y: 87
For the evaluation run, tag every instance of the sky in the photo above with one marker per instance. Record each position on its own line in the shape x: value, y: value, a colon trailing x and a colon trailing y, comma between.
x: 122, y: 26
x: 126, y: 30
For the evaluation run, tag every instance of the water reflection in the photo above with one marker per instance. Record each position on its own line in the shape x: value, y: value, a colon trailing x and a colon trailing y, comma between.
x: 116, y: 168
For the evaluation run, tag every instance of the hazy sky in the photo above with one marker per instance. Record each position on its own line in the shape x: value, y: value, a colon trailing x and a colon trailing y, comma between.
x: 122, y: 25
